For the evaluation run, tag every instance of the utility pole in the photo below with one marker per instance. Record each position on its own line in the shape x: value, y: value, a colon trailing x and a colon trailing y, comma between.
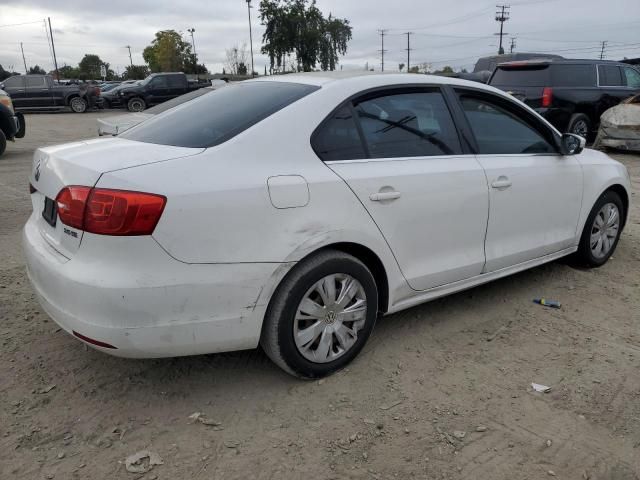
x: 53, y: 47
x: 130, y: 59
x: 502, y: 15
x: 24, y: 60
x: 382, y: 51
x: 193, y: 43
x: 250, y: 34
x: 513, y: 45
x: 408, y: 51
x: 604, y: 45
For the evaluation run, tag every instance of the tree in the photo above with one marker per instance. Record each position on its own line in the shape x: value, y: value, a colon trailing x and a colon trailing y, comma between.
x: 136, y: 72
x: 401, y: 66
x: 168, y: 52
x: 36, y: 70
x: 69, y: 72
x: 236, y: 59
x: 89, y: 68
x: 298, y: 27
x: 4, y: 74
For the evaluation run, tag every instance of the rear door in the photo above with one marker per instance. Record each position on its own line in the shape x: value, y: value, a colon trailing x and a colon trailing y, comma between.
x: 399, y: 151
x: 37, y: 92
x: 613, y: 87
x: 535, y: 194
x: 177, y: 85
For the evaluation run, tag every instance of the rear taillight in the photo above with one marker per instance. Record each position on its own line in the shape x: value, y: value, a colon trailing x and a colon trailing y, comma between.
x: 547, y: 97
x: 110, y: 212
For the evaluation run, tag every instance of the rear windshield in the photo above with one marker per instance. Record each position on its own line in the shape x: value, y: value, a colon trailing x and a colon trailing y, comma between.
x: 538, y: 76
x: 174, y: 102
x: 222, y: 114
x: 568, y: 75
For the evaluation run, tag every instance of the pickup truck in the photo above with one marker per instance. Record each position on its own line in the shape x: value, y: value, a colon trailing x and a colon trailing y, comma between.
x: 40, y: 92
x: 155, y: 89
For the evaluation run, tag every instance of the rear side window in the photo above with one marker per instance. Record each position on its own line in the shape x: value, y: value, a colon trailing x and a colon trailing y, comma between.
x: 175, y: 80
x: 499, y: 130
x: 338, y: 138
x: 215, y: 118
x: 632, y: 76
x: 530, y: 76
x: 17, y: 81
x: 416, y: 124
x: 573, y: 75
x: 610, y: 76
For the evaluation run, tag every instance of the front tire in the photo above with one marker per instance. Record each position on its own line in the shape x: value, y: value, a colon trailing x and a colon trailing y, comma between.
x: 321, y: 315
x: 3, y: 142
x: 78, y: 105
x: 601, y: 231
x: 136, y: 105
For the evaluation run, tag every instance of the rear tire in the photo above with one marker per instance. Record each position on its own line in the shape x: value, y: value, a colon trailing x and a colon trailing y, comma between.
x: 78, y: 105
x: 3, y: 142
x: 23, y: 126
x: 601, y: 231
x: 312, y: 329
x: 580, y: 125
x: 136, y: 104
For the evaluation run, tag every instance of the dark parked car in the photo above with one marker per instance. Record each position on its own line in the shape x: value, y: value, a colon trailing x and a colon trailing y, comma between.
x: 570, y: 94
x: 40, y: 92
x: 155, y: 89
x: 12, y: 124
x: 109, y: 98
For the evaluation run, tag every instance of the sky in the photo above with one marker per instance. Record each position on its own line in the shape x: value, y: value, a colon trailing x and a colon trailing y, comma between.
x: 453, y: 32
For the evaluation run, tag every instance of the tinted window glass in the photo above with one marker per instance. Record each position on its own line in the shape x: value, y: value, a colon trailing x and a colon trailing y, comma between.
x: 175, y: 80
x: 219, y: 116
x: 500, y: 131
x: 610, y: 76
x: 408, y: 125
x: 174, y: 102
x: 338, y: 138
x: 17, y: 81
x: 36, y: 82
x: 632, y: 76
x: 573, y: 75
x: 537, y: 76
x: 159, y: 82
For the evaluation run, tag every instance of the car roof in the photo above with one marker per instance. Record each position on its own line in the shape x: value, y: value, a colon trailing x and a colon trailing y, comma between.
x: 369, y: 79
x: 564, y: 61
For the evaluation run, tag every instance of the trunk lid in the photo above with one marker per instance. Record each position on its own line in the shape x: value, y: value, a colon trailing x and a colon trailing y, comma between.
x: 82, y: 163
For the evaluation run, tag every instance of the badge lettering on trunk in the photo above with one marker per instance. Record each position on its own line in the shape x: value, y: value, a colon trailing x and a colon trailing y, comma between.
x: 37, y: 173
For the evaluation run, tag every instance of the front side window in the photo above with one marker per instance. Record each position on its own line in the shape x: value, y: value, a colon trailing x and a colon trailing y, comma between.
x: 499, y: 130
x: 610, y: 76
x: 632, y: 76
x: 338, y: 138
x: 415, y: 124
x: 16, y: 81
x: 218, y: 116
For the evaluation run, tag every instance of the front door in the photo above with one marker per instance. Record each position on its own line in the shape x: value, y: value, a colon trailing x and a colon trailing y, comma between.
x: 535, y: 194
x: 428, y: 199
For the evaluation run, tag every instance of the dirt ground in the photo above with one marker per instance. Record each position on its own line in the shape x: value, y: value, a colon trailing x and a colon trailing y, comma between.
x: 441, y: 391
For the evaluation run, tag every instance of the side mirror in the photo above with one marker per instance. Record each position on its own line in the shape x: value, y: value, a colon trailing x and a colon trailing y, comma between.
x: 572, y: 144
x: 1, y: 86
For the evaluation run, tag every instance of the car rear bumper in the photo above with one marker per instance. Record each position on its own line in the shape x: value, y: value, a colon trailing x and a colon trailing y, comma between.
x: 144, y: 303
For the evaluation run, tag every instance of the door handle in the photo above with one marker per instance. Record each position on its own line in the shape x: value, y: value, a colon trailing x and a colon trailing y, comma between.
x: 379, y: 197
x: 501, y: 182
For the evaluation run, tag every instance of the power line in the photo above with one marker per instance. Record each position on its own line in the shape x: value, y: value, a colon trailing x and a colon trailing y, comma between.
x: 502, y: 15
x: 18, y: 24
x: 383, y: 32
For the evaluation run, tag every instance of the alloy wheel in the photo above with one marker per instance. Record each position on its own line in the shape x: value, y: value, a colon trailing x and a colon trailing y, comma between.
x: 604, y: 230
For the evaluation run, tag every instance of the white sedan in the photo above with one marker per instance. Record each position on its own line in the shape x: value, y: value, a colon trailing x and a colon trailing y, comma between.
x: 292, y: 211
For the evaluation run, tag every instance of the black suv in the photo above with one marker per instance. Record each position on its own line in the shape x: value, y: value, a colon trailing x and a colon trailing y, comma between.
x: 570, y: 94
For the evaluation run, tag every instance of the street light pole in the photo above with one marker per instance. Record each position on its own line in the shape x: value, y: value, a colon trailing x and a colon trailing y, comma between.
x: 193, y: 42
x: 250, y: 34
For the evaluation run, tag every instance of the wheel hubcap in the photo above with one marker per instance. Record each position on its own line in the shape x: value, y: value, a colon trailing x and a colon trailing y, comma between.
x: 329, y: 317
x: 580, y: 128
x: 604, y: 230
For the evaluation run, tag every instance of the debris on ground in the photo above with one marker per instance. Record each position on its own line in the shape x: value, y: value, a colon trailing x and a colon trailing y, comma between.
x: 459, y: 434
x: 540, y: 388
x: 390, y: 406
x: 142, y: 461
x: 547, y: 303
x: 481, y: 428
x: 202, y: 418
x: 47, y: 389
